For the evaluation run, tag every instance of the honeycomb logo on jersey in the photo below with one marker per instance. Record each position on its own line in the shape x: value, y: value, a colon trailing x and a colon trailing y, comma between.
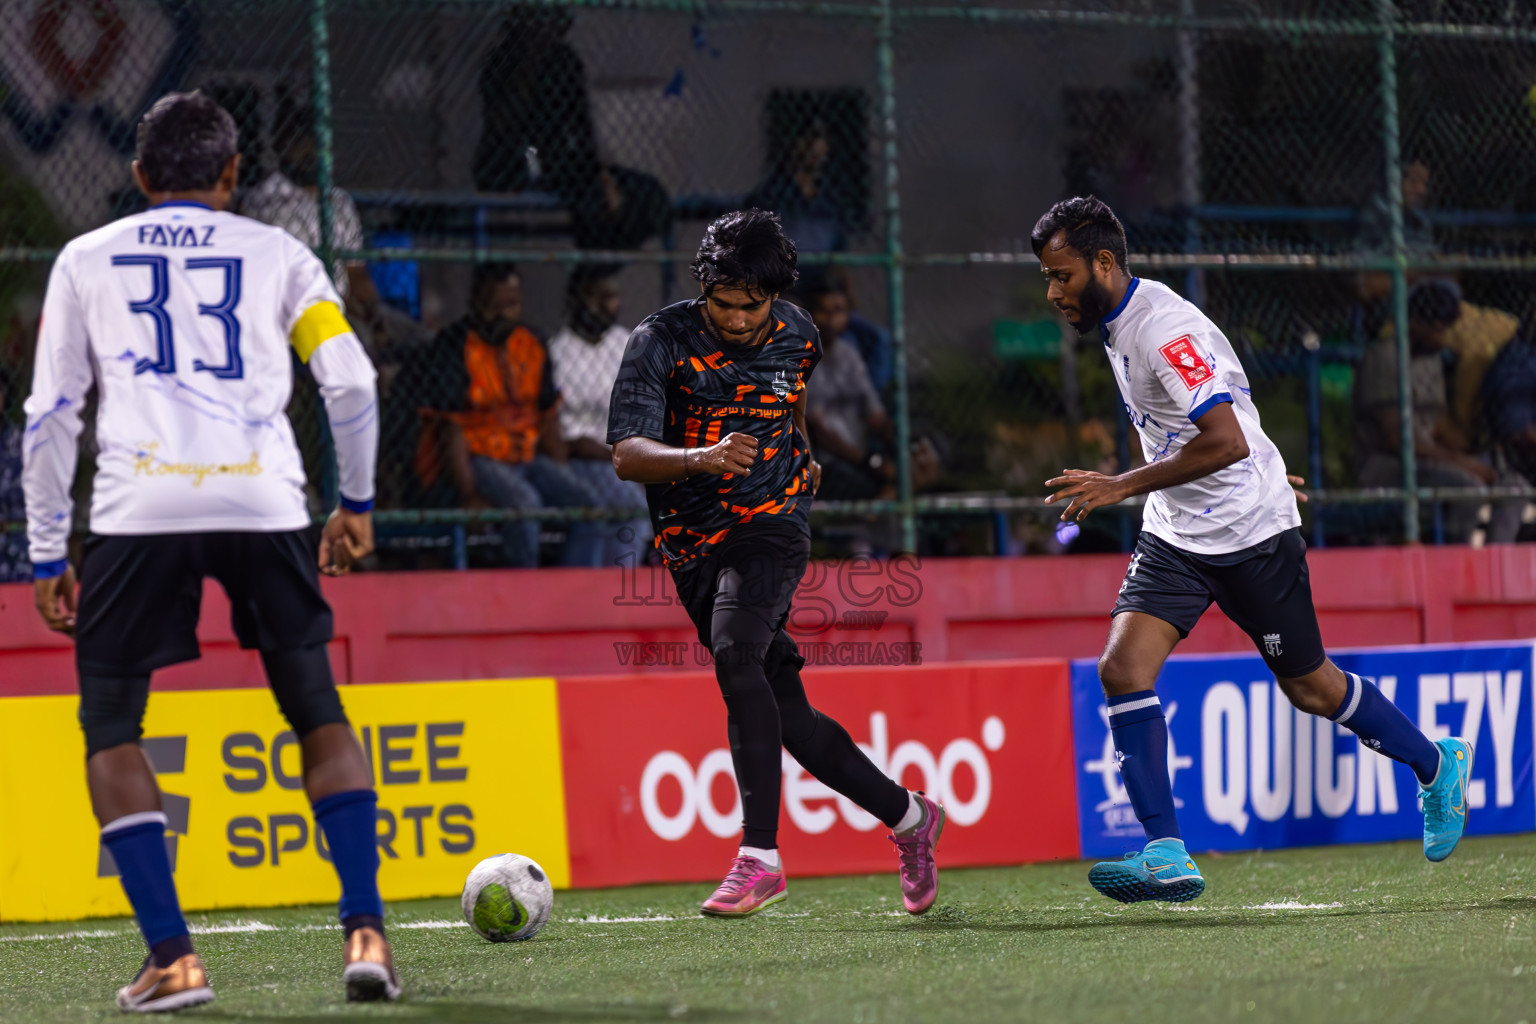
x: 1261, y: 774
x: 147, y: 462
x: 446, y: 759
x: 652, y: 792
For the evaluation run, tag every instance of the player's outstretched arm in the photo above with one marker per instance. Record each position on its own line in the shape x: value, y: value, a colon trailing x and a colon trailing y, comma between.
x: 1218, y: 445
x: 648, y: 461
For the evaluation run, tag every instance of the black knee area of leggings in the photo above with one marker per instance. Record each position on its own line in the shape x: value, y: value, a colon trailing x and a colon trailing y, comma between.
x: 112, y: 710
x: 783, y: 656
x: 740, y: 642
x: 739, y: 669
x: 305, y: 689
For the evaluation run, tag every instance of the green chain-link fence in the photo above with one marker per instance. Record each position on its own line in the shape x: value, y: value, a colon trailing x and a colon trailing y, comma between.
x: 1297, y: 167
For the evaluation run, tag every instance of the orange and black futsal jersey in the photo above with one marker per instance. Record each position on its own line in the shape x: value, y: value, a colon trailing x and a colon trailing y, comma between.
x: 680, y: 386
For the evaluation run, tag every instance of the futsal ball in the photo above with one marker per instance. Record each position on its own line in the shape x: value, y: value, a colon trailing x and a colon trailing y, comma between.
x: 507, y: 898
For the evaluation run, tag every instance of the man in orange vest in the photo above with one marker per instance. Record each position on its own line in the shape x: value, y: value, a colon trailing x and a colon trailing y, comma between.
x: 487, y: 395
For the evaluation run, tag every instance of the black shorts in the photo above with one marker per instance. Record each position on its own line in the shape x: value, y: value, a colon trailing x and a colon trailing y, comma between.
x: 756, y: 568
x: 140, y: 596
x: 1265, y: 589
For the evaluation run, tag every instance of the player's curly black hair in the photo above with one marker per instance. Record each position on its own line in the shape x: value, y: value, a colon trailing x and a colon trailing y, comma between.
x: 185, y: 141
x: 1091, y: 227
x: 746, y: 249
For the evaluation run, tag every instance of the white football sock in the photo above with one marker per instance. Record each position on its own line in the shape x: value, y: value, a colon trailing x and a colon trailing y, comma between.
x: 914, y: 815
x: 770, y: 858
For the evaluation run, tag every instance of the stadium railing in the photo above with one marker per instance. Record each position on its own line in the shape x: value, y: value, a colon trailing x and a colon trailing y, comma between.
x: 1248, y: 153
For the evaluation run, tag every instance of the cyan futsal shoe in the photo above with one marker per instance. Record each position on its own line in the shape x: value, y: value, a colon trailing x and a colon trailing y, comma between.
x: 1444, y: 801
x: 1163, y: 871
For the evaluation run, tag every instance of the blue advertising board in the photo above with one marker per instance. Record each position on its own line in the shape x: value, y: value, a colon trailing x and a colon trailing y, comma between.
x: 1252, y: 772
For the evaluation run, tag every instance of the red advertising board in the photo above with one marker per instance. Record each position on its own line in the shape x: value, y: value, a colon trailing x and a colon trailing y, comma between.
x: 650, y: 795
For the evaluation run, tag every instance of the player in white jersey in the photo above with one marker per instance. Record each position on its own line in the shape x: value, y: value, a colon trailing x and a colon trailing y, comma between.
x: 1220, y: 524
x: 182, y: 319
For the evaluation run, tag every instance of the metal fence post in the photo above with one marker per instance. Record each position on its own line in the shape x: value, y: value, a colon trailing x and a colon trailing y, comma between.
x: 1315, y: 431
x: 1386, y: 47
x: 885, y: 46
x: 1189, y: 150
x: 320, y: 41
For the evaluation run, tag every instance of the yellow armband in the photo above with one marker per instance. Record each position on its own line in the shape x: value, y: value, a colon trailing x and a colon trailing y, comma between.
x: 319, y: 324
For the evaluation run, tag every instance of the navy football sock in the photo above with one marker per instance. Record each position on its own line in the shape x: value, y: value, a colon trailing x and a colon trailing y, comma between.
x: 1367, y: 713
x: 356, y: 921
x: 349, y: 823
x: 1141, y: 737
x: 137, y: 842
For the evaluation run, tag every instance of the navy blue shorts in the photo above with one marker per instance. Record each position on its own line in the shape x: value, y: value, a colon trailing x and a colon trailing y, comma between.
x: 140, y: 596
x: 1265, y: 589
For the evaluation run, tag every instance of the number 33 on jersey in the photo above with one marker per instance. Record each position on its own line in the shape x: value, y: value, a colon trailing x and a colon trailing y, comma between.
x: 186, y: 320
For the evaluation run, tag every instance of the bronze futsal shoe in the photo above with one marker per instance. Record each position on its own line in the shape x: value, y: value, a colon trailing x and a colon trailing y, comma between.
x: 157, y: 989
x: 370, y: 970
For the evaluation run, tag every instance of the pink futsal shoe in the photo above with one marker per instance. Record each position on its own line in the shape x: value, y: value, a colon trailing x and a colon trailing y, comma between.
x: 750, y: 886
x: 919, y: 873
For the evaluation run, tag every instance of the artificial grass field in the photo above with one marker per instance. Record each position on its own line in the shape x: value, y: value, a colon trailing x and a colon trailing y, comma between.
x: 1332, y: 934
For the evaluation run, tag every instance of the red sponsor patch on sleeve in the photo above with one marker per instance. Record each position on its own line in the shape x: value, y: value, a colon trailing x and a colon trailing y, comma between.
x: 1191, y: 367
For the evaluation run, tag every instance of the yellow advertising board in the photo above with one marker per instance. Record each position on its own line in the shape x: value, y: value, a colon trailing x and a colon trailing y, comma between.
x: 464, y: 770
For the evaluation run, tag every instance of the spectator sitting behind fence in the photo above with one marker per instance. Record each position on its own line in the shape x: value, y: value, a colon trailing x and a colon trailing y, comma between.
x: 490, y: 417
x: 1509, y: 402
x: 854, y: 437
x: 1478, y: 333
x: 586, y: 354
x: 537, y: 133
x: 1442, y: 452
x: 1374, y: 287
x: 872, y: 340
x: 288, y: 198
x: 797, y: 189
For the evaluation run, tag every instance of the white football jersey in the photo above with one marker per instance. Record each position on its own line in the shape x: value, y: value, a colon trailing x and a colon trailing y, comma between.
x: 1173, y: 366
x: 182, y: 318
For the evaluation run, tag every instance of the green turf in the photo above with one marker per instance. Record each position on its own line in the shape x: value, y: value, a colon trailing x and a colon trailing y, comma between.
x: 1409, y: 941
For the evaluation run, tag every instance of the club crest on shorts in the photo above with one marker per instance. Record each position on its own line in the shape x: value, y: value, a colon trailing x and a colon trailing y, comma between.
x: 1131, y: 571
x: 1191, y: 367
x: 1272, y: 644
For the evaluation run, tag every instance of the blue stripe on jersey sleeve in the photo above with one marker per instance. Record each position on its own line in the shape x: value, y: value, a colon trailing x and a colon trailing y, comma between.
x: 356, y: 506
x: 1209, y: 404
x: 48, y: 570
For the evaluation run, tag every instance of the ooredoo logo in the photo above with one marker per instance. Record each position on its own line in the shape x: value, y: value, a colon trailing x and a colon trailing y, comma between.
x: 675, y: 796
